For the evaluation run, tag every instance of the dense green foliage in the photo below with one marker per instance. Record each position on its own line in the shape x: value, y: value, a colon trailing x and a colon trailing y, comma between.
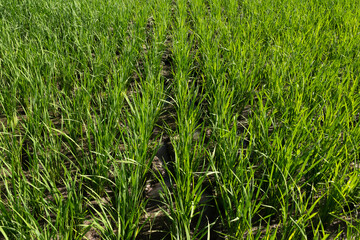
x: 260, y: 100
